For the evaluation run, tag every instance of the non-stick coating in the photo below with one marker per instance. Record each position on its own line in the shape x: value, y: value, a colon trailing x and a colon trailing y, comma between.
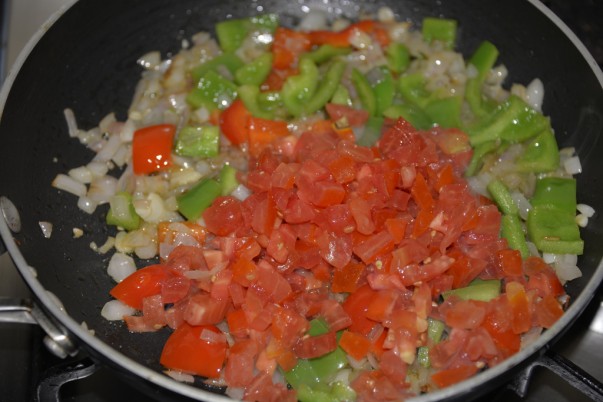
x: 87, y: 61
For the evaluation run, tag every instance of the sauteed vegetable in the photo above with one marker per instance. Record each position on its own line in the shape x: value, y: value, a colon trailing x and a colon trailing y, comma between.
x: 341, y: 211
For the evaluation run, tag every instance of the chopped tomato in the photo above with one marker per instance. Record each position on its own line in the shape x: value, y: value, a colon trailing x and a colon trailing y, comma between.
x: 356, y: 305
x: 342, y: 38
x: 234, y: 122
x: 224, y: 216
x: 187, y: 351
x: 287, y: 46
x: 152, y: 148
x: 354, y: 344
x: 451, y: 376
x: 263, y: 132
x: 346, y: 115
x: 315, y: 346
x: 142, y: 283
x: 346, y: 279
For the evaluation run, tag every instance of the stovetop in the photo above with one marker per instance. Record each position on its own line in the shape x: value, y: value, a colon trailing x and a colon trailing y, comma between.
x: 24, y: 359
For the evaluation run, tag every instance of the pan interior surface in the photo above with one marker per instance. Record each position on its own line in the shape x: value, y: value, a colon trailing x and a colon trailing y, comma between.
x: 87, y: 61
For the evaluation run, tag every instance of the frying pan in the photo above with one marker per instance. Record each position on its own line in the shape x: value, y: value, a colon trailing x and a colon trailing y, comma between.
x: 85, y: 59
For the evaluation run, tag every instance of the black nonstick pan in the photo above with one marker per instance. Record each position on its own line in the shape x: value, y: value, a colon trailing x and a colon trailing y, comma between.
x: 85, y: 59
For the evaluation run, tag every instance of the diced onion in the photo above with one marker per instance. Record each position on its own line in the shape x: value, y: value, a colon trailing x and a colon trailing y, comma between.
x: 86, y: 204
x: 146, y: 252
x: 241, y: 192
x: 120, y: 266
x: 102, y: 189
x: 582, y: 220
x: 71, y: 123
x: 115, y: 310
x: 586, y: 210
x: 81, y: 174
x: 535, y: 94
x: 522, y: 203
x: 97, y: 169
x: 109, y: 149
x: 66, y: 183
x: 46, y: 228
x: 235, y: 393
x: 180, y: 376
x: 313, y: 20
x: 566, y: 271
x: 572, y: 165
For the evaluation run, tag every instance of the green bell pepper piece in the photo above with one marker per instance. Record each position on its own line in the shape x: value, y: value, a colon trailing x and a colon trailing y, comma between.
x: 554, y: 230
x: 398, y: 57
x: 326, y: 89
x: 302, y: 374
x: 440, y: 29
x: 318, y: 370
x: 384, y: 90
x: 445, y: 112
x: 365, y: 92
x: 479, y: 151
x: 483, y: 60
x: 230, y: 61
x: 212, y: 92
x: 501, y: 195
x: 299, y: 89
x: 556, y: 192
x: 341, y: 96
x: 410, y: 112
x: 372, y: 131
x: 412, y: 88
x: 127, y: 217
x: 255, y: 73
x: 318, y: 326
x: 541, y: 154
x: 325, y: 53
x: 338, y: 392
x: 512, y: 121
x: 435, y: 329
x: 511, y: 229
x: 481, y: 290
x: 423, y: 356
x: 232, y: 33
x: 250, y: 95
x: 201, y: 141
x: 228, y: 179
x: 192, y: 203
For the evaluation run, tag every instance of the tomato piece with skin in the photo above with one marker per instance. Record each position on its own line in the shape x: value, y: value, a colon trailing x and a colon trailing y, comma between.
x: 186, y: 351
x: 287, y: 46
x: 152, y: 148
x: 354, y: 344
x: 346, y: 279
x: 356, y: 305
x: 262, y: 133
x: 519, y: 303
x: 548, y: 311
x: 234, y: 122
x: 142, y: 283
x: 445, y: 378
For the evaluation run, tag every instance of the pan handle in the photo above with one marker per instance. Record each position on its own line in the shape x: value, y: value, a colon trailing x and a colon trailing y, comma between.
x: 22, y: 311
x: 564, y: 368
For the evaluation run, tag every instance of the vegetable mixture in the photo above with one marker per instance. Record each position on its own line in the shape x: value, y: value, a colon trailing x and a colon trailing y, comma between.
x: 341, y: 211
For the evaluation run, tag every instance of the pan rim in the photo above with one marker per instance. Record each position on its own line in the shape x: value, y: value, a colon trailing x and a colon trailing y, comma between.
x: 183, y: 389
